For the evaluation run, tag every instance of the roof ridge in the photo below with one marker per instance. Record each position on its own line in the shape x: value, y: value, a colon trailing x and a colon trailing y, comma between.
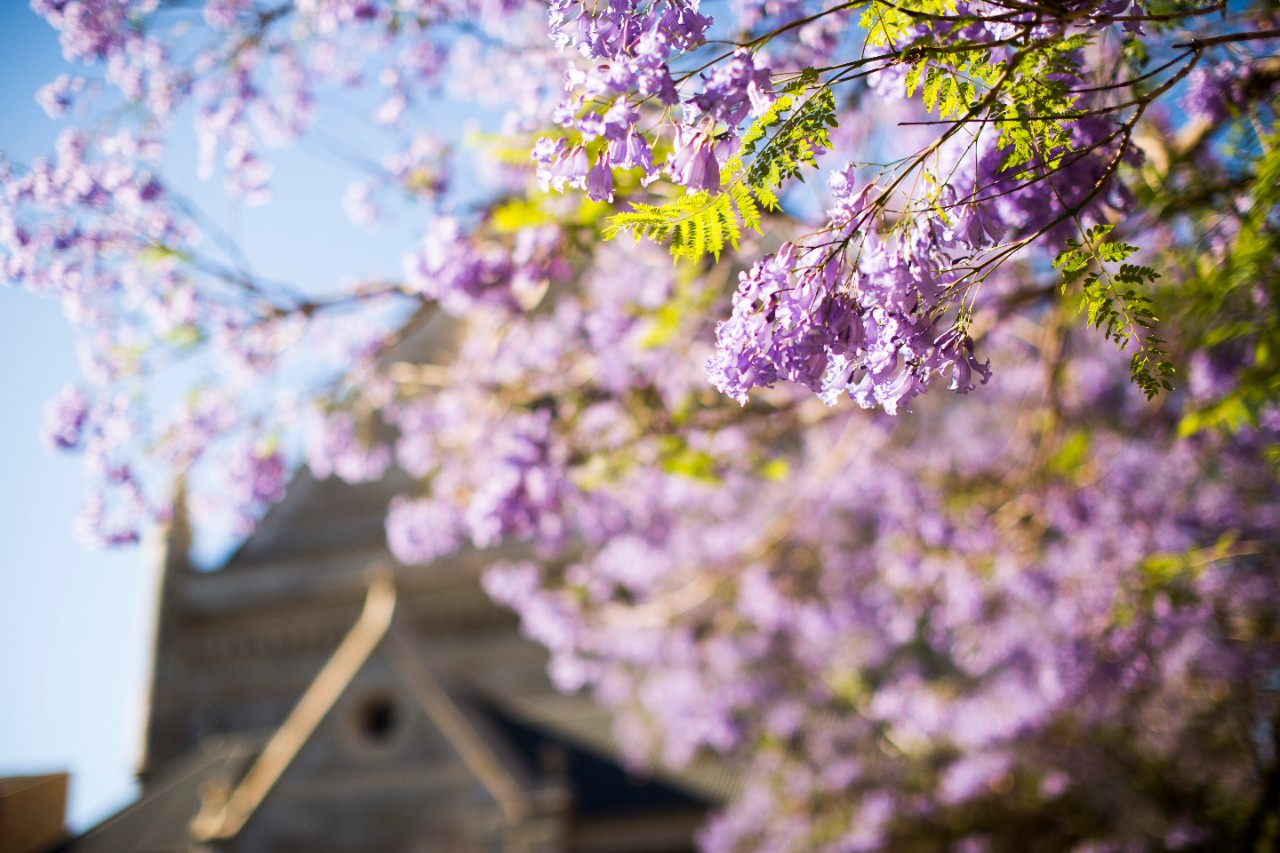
x: 222, y: 818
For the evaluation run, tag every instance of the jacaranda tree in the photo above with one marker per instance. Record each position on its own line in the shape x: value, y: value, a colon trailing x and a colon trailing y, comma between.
x: 1041, y: 615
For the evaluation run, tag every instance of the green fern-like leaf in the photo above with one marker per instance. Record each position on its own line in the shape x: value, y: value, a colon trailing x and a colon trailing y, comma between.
x: 697, y: 224
x: 794, y: 142
x: 748, y: 209
x: 1037, y: 107
x: 1116, y: 302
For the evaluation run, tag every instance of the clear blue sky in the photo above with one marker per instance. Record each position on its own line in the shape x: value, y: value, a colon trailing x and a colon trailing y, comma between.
x: 75, y: 626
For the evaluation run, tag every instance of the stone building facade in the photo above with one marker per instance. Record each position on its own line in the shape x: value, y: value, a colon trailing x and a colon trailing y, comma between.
x: 314, y: 695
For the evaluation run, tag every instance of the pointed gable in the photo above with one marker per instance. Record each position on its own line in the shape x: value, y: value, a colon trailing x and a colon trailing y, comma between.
x: 379, y: 745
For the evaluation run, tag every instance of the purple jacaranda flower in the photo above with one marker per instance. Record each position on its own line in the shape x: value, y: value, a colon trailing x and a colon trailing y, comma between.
x: 256, y: 477
x: 693, y: 163
x: 546, y: 152
x: 333, y: 447
x: 65, y: 418
x: 57, y: 97
x: 957, y: 349
x: 570, y: 169
x: 419, y: 531
x: 1214, y: 91
x: 734, y: 89
x: 618, y: 122
x: 633, y: 152
x: 600, y: 180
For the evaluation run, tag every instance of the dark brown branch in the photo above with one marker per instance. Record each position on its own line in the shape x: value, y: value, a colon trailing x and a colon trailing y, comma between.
x: 1228, y: 38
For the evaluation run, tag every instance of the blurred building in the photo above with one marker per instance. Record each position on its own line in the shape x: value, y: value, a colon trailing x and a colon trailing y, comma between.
x: 32, y: 810
x: 313, y: 695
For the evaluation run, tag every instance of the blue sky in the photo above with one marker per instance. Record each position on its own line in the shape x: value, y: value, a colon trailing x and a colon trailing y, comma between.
x: 75, y: 626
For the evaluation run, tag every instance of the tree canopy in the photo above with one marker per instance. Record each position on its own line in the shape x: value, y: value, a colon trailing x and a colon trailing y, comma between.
x: 692, y: 285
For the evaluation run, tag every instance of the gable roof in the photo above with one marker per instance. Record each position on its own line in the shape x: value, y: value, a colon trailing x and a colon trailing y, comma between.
x: 223, y: 817
x: 498, y: 734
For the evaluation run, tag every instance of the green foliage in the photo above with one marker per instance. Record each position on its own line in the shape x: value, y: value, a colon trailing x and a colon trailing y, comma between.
x: 945, y: 92
x: 951, y: 84
x: 775, y: 469
x: 158, y: 254
x: 889, y: 25
x: 1115, y: 301
x: 1037, y: 106
x: 783, y: 146
x: 1174, y: 10
x: 1030, y: 100
x: 518, y: 213
x: 513, y: 150
x: 1071, y: 457
x: 184, y: 337
x: 1228, y: 304
x: 677, y: 457
x: 1173, y: 574
x: 787, y: 137
x: 695, y: 224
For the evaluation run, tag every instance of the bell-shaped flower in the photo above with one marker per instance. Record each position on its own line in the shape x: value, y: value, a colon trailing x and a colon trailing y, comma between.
x: 600, y: 180
x: 693, y: 165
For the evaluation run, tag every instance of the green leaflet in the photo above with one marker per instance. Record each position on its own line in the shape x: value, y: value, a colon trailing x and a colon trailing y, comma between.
x: 787, y: 137
x: 890, y: 25
x: 517, y: 213
x: 1037, y: 107
x: 952, y: 84
x: 1173, y: 574
x: 695, y: 225
x: 158, y: 253
x: 1113, y: 300
x: 795, y: 142
x: 1033, y: 107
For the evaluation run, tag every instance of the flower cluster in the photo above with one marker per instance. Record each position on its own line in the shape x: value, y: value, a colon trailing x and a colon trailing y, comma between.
x: 866, y: 329
x: 887, y: 662
x: 630, y: 48
x: 1046, y: 614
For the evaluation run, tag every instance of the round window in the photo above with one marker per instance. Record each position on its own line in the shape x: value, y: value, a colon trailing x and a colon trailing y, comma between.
x: 379, y: 717
x: 376, y: 723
